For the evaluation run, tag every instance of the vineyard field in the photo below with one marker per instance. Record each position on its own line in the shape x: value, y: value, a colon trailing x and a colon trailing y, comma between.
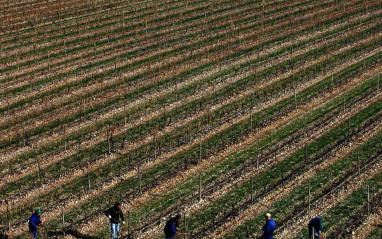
x: 220, y: 111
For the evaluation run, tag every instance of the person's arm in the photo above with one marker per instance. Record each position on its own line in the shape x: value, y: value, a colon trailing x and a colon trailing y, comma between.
x: 320, y: 226
x: 263, y: 228
x: 173, y: 229
x: 107, y: 213
x: 266, y: 228
x: 122, y: 217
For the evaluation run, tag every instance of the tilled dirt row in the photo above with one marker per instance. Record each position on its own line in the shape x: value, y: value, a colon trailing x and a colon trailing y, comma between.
x: 373, y: 221
x: 345, y: 228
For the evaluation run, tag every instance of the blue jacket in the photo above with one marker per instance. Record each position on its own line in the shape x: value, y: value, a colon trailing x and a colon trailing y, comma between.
x: 34, y: 221
x: 170, y: 228
x: 268, y: 229
x: 316, y: 223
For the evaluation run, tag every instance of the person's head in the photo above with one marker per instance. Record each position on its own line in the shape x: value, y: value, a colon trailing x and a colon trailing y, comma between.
x: 38, y: 212
x: 268, y: 216
x: 177, y: 218
x: 117, y: 205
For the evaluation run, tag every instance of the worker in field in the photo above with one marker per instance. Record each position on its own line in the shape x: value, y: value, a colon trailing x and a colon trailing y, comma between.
x: 315, y: 227
x: 3, y: 236
x: 171, y: 227
x: 35, y: 223
x: 115, y: 214
x: 269, y: 227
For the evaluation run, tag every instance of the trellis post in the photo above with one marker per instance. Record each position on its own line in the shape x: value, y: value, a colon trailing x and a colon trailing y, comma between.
x: 200, y: 187
x: 257, y: 156
x: 309, y: 201
x: 368, y: 199
x: 63, y: 218
x: 139, y: 178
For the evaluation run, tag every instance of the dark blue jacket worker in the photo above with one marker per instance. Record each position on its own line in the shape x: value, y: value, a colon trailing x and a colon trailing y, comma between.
x: 315, y: 227
x: 114, y: 214
x: 269, y: 227
x: 170, y: 230
x: 34, y: 223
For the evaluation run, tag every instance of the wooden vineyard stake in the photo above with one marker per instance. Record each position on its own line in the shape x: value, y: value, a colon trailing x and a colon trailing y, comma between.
x: 128, y: 224
x: 63, y: 218
x: 89, y: 176
x: 368, y: 199
x: 185, y: 226
x: 108, y: 140
x: 357, y: 154
x: 349, y: 131
x: 378, y: 82
x: 7, y: 221
x: 155, y: 148
x: 48, y: 61
x: 200, y: 187
x: 257, y: 157
x: 364, y: 65
x: 25, y: 136
x: 65, y: 144
x: 306, y: 153
x: 173, y: 27
x: 292, y: 60
x: 39, y: 169
x: 295, y: 96
x: 20, y: 214
x: 8, y: 104
x: 66, y: 49
x: 309, y: 211
x: 139, y: 178
x: 252, y: 197
x: 251, y: 129
x: 214, y: 89
x: 115, y: 65
x: 200, y: 152
x: 146, y: 26
x: 305, y: 128
x: 120, y: 167
x: 247, y: 229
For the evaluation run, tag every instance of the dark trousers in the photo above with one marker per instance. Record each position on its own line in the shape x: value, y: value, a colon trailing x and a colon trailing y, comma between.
x: 170, y: 236
x: 316, y: 234
x: 266, y: 236
x: 33, y: 232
